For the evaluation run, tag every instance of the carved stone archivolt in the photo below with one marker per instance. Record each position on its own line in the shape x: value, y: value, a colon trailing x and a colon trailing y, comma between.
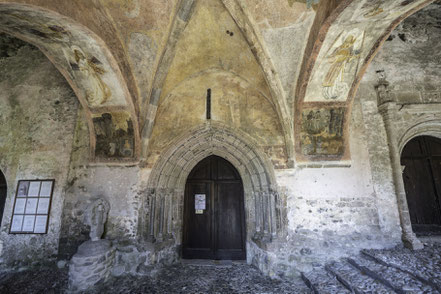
x: 165, y: 196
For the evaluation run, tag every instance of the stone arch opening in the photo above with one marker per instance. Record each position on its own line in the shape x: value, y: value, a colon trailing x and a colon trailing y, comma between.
x: 421, y: 162
x: 3, y: 194
x: 214, y: 212
x: 88, y: 66
x: 163, y: 206
x: 423, y: 128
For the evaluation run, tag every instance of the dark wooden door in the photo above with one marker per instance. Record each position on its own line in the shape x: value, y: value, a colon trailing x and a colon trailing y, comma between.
x: 218, y: 230
x: 422, y: 180
x: 3, y: 191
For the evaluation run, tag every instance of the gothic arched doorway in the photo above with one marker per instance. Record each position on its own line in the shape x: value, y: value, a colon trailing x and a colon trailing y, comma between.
x: 3, y: 191
x: 214, y: 214
x: 422, y: 180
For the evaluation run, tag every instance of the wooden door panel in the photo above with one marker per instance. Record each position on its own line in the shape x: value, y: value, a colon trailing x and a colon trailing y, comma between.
x: 219, y: 232
x: 198, y: 230
x: 422, y: 181
x: 229, y: 221
x: 421, y: 196
x: 436, y: 171
x: 434, y: 147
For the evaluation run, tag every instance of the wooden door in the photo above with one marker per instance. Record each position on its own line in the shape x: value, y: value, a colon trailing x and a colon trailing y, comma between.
x: 422, y: 180
x: 3, y: 191
x: 214, y: 220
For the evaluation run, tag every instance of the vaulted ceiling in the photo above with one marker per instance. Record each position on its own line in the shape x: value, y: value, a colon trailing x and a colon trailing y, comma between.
x: 123, y: 58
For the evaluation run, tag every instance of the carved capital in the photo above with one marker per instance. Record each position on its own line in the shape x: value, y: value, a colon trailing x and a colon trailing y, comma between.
x: 382, y: 88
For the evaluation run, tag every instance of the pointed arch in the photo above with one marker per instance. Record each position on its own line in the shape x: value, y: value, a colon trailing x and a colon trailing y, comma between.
x: 183, y: 15
x: 250, y: 31
x: 163, y: 202
x: 325, y: 86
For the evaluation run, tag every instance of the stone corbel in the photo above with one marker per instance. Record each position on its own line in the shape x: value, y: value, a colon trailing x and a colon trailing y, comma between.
x: 382, y: 87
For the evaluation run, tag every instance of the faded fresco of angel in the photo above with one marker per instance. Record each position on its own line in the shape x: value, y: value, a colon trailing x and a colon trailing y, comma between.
x: 333, y: 83
x: 98, y: 91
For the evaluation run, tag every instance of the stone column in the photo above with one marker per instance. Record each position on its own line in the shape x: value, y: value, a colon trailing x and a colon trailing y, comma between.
x: 151, y: 228
x: 388, y: 109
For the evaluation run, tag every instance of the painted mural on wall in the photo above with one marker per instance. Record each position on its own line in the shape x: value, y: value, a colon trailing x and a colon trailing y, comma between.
x: 72, y: 49
x: 90, y: 70
x: 322, y: 132
x: 114, y: 135
x: 381, y: 9
x: 332, y: 79
x: 309, y: 3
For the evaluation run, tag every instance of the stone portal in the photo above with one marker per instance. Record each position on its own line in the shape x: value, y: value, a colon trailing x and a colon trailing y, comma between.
x: 214, y: 214
x: 421, y: 158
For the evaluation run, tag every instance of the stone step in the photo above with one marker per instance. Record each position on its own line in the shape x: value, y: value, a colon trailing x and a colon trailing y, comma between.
x: 401, y: 282
x: 406, y: 261
x: 356, y: 281
x: 321, y: 281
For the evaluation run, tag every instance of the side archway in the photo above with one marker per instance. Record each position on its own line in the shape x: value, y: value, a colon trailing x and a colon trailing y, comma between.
x: 423, y: 128
x: 91, y: 70
x: 163, y: 206
x: 3, y: 194
x: 346, y: 44
x: 421, y: 162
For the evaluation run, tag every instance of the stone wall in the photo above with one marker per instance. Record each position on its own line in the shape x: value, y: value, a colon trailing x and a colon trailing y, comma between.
x: 335, y: 211
x: 37, y: 118
x: 409, y: 65
x: 86, y: 181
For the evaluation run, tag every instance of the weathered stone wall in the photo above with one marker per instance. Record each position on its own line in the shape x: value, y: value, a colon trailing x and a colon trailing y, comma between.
x: 410, y: 62
x: 37, y: 116
x: 411, y: 59
x: 334, y: 211
x: 86, y: 182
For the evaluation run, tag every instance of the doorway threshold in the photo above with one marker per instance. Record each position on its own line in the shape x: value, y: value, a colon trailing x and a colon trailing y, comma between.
x: 211, y: 262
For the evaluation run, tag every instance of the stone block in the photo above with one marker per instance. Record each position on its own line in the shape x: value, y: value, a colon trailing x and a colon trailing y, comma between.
x: 86, y: 269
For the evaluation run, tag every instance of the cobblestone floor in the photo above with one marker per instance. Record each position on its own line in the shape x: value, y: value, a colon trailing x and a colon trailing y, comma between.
x: 397, y: 270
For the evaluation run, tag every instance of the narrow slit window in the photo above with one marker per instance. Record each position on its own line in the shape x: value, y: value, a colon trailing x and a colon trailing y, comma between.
x: 209, y: 104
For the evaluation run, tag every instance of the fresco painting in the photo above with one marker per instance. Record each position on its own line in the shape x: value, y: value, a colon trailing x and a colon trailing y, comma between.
x: 322, y: 132
x: 335, y: 73
x: 114, y: 136
x: 90, y: 70
x: 71, y: 51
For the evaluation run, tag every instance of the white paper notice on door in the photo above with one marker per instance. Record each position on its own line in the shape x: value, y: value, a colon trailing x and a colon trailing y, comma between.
x: 199, y: 202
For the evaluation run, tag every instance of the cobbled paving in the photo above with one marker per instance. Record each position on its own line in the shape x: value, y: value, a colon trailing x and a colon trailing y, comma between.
x: 397, y: 270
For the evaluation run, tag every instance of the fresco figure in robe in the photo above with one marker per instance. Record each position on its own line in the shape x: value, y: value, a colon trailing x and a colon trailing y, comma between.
x: 333, y: 82
x: 100, y: 92
x: 90, y: 70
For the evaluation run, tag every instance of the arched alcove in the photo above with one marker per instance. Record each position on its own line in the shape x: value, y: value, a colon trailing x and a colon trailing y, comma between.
x: 421, y: 159
x: 90, y: 68
x: 3, y: 194
x: 161, y: 219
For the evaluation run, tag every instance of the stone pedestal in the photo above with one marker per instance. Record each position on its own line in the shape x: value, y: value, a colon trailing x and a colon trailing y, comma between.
x: 91, y: 264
